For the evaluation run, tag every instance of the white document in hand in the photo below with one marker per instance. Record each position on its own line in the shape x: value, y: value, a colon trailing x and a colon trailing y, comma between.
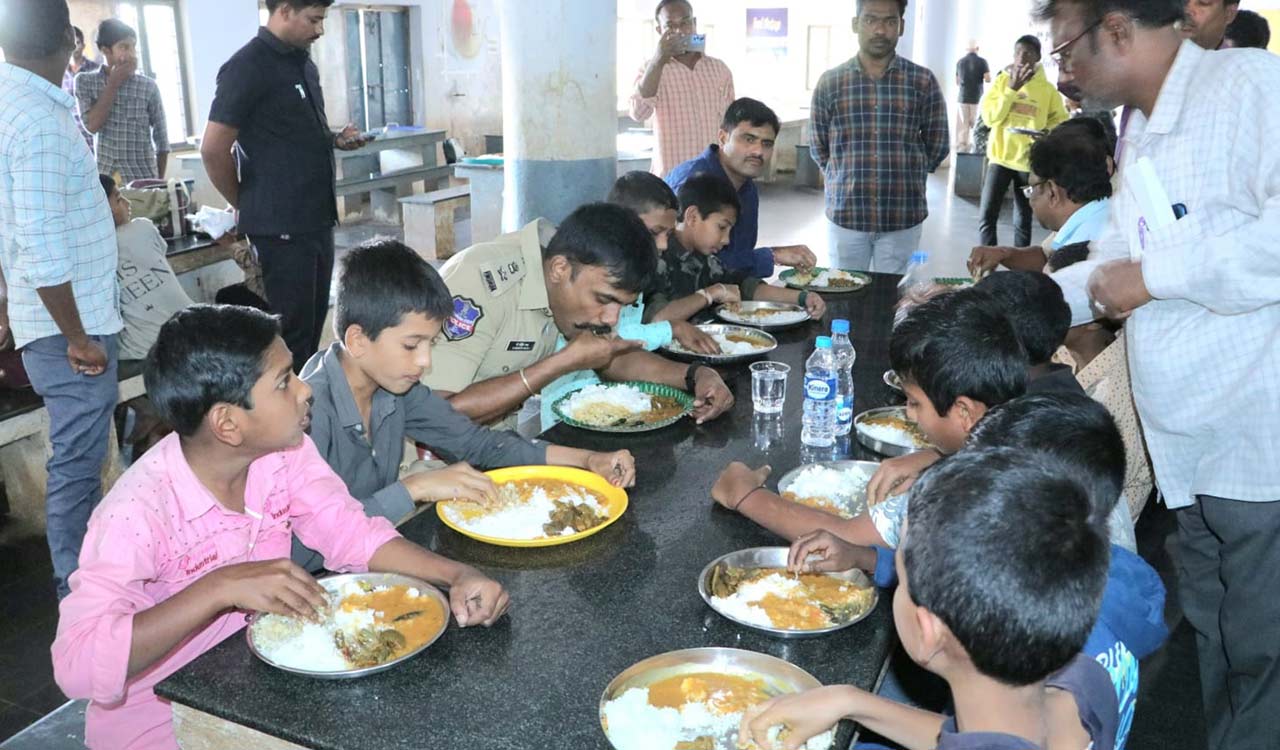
x: 1155, y: 210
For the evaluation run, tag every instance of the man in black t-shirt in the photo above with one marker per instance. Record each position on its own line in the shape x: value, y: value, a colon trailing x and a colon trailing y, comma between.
x: 268, y: 150
x: 971, y: 72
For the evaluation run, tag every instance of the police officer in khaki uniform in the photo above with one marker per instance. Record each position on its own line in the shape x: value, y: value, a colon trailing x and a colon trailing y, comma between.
x: 513, y: 297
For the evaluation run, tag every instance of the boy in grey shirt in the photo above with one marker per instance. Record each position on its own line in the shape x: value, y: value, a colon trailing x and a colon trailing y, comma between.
x: 366, y: 398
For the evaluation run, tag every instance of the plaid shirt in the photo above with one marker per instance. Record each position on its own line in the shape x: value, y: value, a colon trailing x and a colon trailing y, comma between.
x: 876, y: 141
x: 135, y: 123
x: 55, y: 225
x: 686, y: 111
x: 1203, y: 354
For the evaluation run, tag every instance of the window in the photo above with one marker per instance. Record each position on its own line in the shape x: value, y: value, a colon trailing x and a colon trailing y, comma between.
x: 161, y: 56
x: 819, y: 55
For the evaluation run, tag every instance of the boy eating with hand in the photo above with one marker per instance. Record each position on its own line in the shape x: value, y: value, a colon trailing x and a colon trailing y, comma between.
x: 656, y: 205
x: 1000, y: 616
x: 695, y: 278
x: 367, y: 397
x: 957, y: 357
x: 196, y: 534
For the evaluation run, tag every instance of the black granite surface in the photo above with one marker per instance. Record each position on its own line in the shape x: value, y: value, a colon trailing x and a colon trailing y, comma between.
x: 581, y: 612
x: 188, y: 244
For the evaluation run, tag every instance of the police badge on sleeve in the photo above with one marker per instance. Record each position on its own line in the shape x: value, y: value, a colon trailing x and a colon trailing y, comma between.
x: 462, y: 324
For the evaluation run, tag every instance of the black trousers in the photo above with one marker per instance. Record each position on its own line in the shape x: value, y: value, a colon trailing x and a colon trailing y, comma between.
x: 296, y: 272
x: 994, y: 187
x: 1229, y: 588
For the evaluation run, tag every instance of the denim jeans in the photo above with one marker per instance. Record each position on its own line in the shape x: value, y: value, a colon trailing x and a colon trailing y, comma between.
x: 886, y: 252
x: 994, y: 188
x: 80, y: 409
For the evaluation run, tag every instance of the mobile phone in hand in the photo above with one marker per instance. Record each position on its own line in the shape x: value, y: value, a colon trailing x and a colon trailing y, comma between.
x: 696, y: 43
x: 371, y: 135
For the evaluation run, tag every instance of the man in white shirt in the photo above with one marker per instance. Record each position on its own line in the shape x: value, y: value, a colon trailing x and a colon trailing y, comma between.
x: 1191, y: 259
x: 58, y: 255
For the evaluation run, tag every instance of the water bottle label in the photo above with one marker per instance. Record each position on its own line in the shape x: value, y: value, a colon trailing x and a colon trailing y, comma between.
x: 844, y: 412
x: 819, y: 389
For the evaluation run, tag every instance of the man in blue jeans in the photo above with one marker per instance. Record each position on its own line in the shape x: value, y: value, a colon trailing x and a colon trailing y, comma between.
x: 58, y: 256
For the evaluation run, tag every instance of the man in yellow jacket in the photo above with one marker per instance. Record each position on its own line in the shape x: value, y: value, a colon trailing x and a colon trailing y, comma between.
x: 1020, y: 101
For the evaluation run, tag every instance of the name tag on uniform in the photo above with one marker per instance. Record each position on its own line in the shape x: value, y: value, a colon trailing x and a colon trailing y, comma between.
x: 501, y: 276
x: 520, y: 346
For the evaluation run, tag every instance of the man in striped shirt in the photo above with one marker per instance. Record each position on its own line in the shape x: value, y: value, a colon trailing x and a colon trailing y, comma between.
x: 683, y: 90
x: 58, y: 255
x: 879, y: 126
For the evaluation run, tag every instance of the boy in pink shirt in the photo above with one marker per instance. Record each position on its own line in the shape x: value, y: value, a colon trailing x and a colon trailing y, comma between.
x: 197, y: 534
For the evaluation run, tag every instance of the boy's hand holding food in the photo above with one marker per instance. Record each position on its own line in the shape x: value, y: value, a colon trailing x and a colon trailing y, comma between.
x: 476, y: 599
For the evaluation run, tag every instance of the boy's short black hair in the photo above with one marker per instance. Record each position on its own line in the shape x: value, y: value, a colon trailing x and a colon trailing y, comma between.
x: 902, y: 7
x: 1072, y: 428
x: 1000, y: 547
x: 108, y: 184
x: 1151, y: 14
x: 610, y: 236
x: 1030, y: 41
x: 1250, y: 29
x: 297, y: 4
x: 79, y: 34
x: 1075, y: 156
x: 207, y: 355
x: 113, y: 31
x: 664, y: 3
x: 382, y: 280
x: 959, y: 344
x: 751, y: 111
x: 708, y: 193
x: 1034, y: 304
x: 643, y: 192
x: 34, y: 29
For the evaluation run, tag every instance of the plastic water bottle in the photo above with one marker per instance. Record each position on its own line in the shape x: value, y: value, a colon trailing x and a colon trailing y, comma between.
x: 844, y: 355
x: 917, y: 273
x: 915, y: 284
x: 819, y: 426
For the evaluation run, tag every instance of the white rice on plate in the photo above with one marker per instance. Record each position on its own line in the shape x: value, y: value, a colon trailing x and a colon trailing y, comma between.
x: 523, y: 520
x: 636, y: 724
x: 602, y: 404
x: 298, y: 644
x: 887, y: 434
x: 833, y: 484
x: 782, y: 317
x: 741, y: 605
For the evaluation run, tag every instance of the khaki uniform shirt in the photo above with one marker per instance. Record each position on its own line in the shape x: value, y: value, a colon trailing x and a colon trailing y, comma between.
x: 501, y: 319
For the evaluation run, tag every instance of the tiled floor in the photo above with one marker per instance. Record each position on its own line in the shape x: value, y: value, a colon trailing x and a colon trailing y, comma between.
x: 1168, y: 715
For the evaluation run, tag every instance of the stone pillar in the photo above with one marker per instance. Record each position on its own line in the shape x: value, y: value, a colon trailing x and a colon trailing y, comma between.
x: 559, y: 106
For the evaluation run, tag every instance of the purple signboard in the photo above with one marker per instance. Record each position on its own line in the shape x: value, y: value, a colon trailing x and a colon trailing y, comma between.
x: 767, y: 23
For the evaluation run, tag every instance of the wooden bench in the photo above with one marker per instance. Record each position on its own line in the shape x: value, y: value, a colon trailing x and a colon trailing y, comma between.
x: 25, y: 448
x: 429, y: 219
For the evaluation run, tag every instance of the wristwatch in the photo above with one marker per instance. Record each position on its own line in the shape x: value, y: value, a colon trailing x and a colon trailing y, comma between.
x: 690, y: 376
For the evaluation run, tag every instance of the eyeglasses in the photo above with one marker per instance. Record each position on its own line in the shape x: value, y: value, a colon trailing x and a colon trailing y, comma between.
x: 1029, y: 190
x: 681, y: 24
x: 1062, y: 53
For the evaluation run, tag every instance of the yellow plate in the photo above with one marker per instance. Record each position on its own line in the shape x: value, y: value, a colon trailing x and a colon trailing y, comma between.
x: 615, y: 503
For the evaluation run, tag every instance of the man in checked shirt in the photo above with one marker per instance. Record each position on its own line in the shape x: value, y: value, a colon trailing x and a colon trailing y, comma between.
x: 879, y: 126
x: 123, y: 109
x: 1191, y: 262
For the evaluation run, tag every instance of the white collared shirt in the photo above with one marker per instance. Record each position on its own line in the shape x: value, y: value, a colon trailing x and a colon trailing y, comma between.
x: 55, y: 224
x: 1204, y: 355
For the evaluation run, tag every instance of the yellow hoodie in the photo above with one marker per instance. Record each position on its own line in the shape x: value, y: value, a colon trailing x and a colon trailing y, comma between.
x: 1037, y: 105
